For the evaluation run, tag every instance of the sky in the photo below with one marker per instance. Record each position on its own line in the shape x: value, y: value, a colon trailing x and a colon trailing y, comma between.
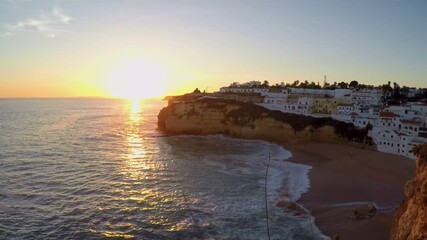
x: 137, y: 48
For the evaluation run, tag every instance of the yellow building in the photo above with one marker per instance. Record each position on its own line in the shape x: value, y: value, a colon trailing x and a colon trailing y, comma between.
x: 326, y: 105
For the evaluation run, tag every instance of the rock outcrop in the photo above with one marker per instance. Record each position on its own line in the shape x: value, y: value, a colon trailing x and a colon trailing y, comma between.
x: 411, y: 218
x: 250, y: 121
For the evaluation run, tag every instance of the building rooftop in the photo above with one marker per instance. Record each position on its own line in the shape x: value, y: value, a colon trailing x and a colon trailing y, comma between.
x: 388, y: 115
x: 411, y: 122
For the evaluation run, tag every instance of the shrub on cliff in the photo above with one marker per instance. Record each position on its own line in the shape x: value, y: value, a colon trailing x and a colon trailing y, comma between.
x: 247, y: 113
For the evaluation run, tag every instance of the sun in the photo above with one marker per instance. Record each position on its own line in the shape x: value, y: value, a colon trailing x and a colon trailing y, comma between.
x: 137, y: 79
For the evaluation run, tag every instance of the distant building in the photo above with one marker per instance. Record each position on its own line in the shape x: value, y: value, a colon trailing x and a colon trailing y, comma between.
x: 275, y: 98
x: 394, y: 129
x: 242, y: 97
x: 345, y: 108
x: 366, y: 97
x: 324, y: 105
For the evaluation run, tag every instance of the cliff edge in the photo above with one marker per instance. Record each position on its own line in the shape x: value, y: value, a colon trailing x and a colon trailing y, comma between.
x: 250, y: 121
x: 411, y: 218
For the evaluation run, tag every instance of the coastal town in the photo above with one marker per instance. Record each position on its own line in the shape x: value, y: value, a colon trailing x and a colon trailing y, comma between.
x: 395, y: 116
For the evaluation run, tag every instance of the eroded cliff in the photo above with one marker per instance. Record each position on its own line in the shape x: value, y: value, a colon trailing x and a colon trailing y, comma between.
x: 411, y: 218
x: 250, y: 121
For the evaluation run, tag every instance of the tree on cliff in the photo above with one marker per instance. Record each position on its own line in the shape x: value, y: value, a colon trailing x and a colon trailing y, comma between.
x: 295, y: 83
x: 265, y: 83
x: 353, y: 84
x: 343, y: 85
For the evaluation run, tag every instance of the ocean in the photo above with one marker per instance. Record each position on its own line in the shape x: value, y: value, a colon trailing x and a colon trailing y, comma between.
x: 99, y: 169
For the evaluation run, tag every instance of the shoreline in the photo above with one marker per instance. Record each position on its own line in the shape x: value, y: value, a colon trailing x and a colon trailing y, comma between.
x: 344, y: 179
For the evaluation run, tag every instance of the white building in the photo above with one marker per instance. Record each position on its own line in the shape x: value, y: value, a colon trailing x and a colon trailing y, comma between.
x: 345, y: 108
x: 243, y: 89
x: 420, y: 108
x: 275, y: 98
x: 388, y: 141
x: 394, y: 134
x: 299, y: 105
x: 366, y: 97
x: 334, y: 93
x: 395, y: 129
x: 362, y: 120
x: 388, y: 120
x: 252, y: 84
x: 342, y: 92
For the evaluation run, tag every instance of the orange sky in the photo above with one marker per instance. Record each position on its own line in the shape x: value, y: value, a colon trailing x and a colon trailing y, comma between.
x: 151, y: 48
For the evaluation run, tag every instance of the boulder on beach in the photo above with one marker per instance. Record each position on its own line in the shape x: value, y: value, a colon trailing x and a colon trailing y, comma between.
x: 365, y: 212
x: 290, y: 207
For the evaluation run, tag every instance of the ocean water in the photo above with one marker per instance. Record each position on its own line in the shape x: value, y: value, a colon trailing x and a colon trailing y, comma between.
x: 98, y: 169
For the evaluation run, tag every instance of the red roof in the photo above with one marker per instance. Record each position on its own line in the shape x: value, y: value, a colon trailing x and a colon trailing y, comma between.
x: 388, y: 114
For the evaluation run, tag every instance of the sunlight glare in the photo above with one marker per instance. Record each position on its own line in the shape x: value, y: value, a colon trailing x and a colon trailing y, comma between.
x: 136, y: 79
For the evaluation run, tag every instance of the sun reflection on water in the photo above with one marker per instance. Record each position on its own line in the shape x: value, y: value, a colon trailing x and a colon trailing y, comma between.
x: 134, y: 161
x: 141, y: 190
x: 135, y: 110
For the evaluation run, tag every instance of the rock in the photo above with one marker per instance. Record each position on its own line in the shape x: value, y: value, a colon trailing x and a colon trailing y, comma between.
x: 366, y: 212
x: 250, y: 121
x: 281, y: 203
x: 411, y: 218
x: 290, y: 207
x: 372, y: 208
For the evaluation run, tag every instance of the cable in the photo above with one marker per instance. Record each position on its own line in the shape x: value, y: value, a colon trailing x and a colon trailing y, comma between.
x: 265, y: 197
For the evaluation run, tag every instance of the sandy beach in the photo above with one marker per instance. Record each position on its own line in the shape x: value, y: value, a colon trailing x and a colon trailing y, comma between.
x: 344, y: 179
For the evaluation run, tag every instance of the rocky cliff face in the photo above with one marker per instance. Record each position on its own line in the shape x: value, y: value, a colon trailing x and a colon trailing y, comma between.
x: 245, y: 120
x: 411, y: 218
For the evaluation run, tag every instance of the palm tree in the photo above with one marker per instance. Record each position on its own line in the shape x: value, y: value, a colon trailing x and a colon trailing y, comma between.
x: 295, y: 84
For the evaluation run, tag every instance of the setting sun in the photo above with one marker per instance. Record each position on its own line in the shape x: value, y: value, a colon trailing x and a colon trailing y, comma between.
x: 136, y: 79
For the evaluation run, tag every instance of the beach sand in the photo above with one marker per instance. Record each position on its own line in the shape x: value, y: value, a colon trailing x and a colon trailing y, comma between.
x: 345, y: 178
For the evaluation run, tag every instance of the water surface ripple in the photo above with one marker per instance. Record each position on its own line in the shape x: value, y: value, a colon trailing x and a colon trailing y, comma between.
x: 97, y: 168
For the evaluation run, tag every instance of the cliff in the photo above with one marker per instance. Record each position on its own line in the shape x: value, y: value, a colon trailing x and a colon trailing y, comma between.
x: 411, y: 218
x: 250, y: 121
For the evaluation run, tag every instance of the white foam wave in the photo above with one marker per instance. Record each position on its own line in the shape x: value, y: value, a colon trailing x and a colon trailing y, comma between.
x: 248, y: 159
